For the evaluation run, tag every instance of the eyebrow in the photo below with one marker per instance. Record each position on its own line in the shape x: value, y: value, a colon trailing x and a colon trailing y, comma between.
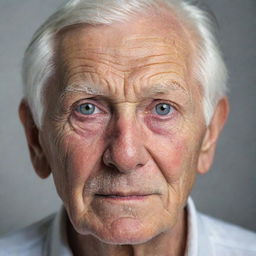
x: 84, y: 88
x: 165, y: 88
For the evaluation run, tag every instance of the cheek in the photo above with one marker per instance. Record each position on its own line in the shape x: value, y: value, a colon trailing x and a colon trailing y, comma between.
x: 74, y: 159
x: 174, y: 164
x: 172, y: 156
x: 176, y: 159
x: 82, y: 158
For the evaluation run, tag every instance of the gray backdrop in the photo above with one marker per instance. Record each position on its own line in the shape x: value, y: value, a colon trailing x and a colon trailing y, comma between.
x: 227, y: 192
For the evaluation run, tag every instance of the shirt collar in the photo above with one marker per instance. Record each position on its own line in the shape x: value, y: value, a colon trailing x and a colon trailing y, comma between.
x: 198, y: 243
x: 58, y: 241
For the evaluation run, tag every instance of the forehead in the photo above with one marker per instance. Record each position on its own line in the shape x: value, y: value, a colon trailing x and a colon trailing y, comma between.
x: 160, y: 31
x: 149, y: 44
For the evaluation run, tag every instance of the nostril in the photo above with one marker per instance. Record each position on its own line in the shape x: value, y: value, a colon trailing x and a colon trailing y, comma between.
x: 111, y: 165
x: 107, y: 161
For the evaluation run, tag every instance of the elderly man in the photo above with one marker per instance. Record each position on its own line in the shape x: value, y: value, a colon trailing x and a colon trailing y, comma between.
x: 124, y: 102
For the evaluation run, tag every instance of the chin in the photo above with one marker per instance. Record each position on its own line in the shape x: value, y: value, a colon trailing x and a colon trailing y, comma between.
x: 126, y: 231
x: 127, y: 239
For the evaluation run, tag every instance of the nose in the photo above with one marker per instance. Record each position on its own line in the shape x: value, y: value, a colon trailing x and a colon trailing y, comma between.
x: 126, y: 151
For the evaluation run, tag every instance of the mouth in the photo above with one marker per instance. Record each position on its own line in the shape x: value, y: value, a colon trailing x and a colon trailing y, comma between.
x: 124, y: 196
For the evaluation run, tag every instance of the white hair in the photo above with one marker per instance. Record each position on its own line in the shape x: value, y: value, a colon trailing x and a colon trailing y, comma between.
x: 38, y: 63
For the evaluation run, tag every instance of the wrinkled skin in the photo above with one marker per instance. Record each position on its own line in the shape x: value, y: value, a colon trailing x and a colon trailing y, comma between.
x: 124, y: 148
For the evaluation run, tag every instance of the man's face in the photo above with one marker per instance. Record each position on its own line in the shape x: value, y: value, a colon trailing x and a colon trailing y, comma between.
x: 124, y: 127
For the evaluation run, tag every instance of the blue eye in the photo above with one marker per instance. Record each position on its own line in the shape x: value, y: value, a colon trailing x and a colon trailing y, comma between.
x: 163, y: 109
x: 87, y: 109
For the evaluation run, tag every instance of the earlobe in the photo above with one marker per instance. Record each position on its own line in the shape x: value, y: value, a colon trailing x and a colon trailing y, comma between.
x: 211, y: 136
x: 37, y: 155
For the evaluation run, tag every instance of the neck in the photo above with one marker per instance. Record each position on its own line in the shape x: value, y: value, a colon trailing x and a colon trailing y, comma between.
x: 169, y: 243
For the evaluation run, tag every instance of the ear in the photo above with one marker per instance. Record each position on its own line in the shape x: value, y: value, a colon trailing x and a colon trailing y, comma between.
x: 211, y: 136
x: 37, y: 155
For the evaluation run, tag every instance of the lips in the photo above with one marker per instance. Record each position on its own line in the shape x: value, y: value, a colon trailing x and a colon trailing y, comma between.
x: 124, y: 196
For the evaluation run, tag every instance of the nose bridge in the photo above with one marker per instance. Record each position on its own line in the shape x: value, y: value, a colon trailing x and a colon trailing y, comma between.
x: 126, y: 148
x: 126, y: 136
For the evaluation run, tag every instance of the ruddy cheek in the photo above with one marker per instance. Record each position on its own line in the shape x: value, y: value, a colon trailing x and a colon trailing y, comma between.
x: 176, y: 162
x: 172, y: 157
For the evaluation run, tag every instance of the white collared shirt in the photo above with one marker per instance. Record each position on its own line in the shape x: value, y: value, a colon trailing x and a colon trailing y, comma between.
x: 206, y: 237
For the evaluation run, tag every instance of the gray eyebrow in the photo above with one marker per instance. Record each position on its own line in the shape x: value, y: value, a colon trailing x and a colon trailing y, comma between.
x: 163, y: 88
x: 92, y: 89
x: 83, y: 87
